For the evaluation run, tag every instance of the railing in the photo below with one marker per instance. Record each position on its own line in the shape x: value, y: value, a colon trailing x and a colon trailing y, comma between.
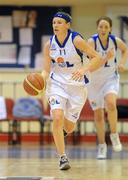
x: 15, y: 89
x: 9, y: 84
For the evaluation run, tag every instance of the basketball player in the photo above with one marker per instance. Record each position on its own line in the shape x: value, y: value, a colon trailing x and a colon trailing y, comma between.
x: 66, y: 90
x: 104, y: 86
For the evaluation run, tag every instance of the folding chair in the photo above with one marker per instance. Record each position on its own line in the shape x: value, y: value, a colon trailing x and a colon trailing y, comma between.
x: 27, y: 124
x: 122, y: 107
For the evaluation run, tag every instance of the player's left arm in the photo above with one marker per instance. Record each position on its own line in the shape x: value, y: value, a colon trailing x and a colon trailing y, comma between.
x: 124, y: 54
x: 84, y: 47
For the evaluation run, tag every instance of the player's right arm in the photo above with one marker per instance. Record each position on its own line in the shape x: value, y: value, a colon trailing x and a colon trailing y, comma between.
x: 91, y: 43
x: 47, y: 61
x: 124, y: 54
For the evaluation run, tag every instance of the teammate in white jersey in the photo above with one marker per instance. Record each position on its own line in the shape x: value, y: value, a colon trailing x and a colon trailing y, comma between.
x: 65, y: 74
x: 104, y: 86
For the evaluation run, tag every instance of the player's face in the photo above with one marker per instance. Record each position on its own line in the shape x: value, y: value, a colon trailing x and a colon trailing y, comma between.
x: 103, y: 29
x: 59, y: 25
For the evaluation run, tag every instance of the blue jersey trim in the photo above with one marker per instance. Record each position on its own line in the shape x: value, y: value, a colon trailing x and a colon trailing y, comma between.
x: 66, y: 39
x: 86, y: 80
x: 51, y: 39
x: 114, y: 40
x: 94, y: 37
x: 74, y: 34
x: 111, y: 36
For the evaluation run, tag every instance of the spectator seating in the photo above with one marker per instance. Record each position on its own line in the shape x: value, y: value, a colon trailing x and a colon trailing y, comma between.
x: 5, y: 123
x: 34, y: 127
x: 15, y: 129
x: 27, y: 116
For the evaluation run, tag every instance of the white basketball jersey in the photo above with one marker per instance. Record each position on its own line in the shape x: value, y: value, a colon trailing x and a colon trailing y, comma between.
x: 110, y: 68
x: 66, y: 59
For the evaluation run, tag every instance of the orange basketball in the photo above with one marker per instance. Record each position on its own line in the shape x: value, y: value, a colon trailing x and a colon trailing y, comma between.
x: 34, y: 84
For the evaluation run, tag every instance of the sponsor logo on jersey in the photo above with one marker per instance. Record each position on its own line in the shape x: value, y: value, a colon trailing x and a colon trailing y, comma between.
x: 62, y: 64
x: 57, y: 102
x: 60, y: 61
x: 75, y: 115
x: 53, y: 47
x: 53, y: 101
x: 93, y: 104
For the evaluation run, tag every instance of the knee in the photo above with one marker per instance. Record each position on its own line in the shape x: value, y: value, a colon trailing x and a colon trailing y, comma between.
x: 70, y: 129
x: 111, y: 106
x: 99, y: 119
x: 69, y: 126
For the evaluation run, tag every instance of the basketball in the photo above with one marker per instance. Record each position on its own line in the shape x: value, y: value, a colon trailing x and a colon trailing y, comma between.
x: 34, y: 84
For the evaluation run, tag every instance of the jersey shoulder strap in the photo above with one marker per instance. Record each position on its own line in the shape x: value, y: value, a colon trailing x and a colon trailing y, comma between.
x: 95, y: 37
x: 51, y: 38
x: 74, y: 34
x: 114, y: 40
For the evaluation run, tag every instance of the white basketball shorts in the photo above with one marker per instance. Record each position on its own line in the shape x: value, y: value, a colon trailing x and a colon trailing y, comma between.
x: 97, y: 93
x: 69, y: 98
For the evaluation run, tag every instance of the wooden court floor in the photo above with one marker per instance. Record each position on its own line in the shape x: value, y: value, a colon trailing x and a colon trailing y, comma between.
x: 32, y: 160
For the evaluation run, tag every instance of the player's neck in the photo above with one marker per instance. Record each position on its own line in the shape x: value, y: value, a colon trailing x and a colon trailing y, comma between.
x: 104, y: 40
x: 61, y: 37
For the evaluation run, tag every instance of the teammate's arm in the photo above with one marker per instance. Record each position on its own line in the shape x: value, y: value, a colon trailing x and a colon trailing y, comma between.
x: 124, y: 54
